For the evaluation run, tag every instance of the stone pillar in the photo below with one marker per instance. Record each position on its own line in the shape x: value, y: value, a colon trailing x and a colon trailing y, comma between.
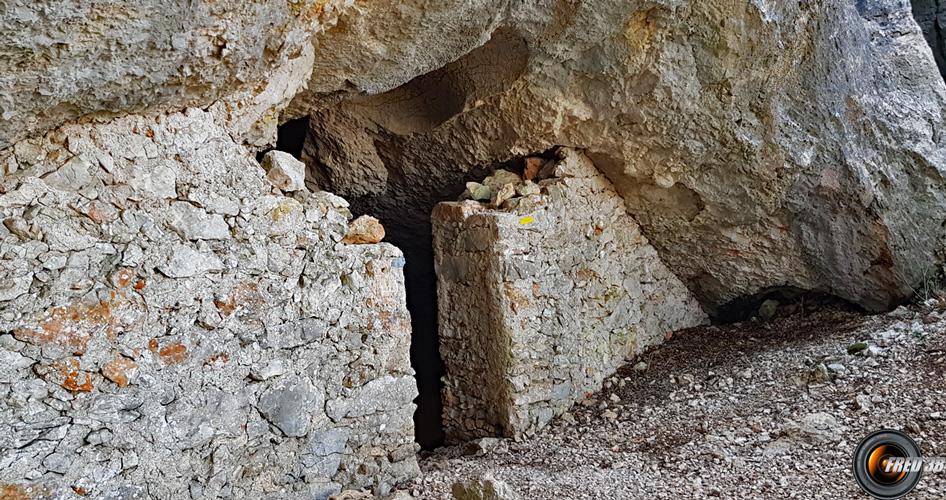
x: 540, y: 302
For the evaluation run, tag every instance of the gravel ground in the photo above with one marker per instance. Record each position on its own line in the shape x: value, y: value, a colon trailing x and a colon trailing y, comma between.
x: 750, y: 410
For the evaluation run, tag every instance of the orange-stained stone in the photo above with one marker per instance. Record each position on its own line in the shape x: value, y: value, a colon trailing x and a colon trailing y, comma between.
x: 222, y: 357
x: 12, y: 492
x: 70, y: 326
x: 243, y: 295
x: 116, y: 370
x: 95, y: 213
x: 74, y: 380
x: 173, y: 354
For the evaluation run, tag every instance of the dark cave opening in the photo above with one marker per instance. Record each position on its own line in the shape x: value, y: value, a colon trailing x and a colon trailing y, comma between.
x: 931, y: 16
x: 290, y: 138
x: 409, y: 228
x: 784, y: 301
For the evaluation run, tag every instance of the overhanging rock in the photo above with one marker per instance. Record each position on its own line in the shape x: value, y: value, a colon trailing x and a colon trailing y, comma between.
x: 172, y: 326
x: 541, y: 302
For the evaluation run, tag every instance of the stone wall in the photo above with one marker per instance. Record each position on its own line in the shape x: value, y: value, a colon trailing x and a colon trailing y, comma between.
x: 541, y: 301
x: 173, y: 326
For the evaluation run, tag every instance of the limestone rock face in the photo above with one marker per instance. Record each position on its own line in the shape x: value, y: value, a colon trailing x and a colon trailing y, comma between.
x: 758, y: 144
x: 542, y: 301
x: 171, y: 326
x: 62, y: 60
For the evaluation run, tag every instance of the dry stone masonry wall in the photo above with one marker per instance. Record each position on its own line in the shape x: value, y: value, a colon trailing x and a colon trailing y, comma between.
x: 173, y: 326
x: 544, y: 296
x: 176, y: 321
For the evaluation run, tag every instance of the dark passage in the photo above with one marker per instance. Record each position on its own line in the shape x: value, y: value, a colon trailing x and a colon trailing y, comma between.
x: 404, y: 208
x: 290, y: 138
x: 931, y: 16
x: 783, y: 301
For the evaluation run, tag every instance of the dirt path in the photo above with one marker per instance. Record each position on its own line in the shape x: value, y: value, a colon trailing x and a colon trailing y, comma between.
x: 751, y: 410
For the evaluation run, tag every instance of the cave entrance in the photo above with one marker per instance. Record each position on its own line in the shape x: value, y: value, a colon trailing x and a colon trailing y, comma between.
x: 403, y: 205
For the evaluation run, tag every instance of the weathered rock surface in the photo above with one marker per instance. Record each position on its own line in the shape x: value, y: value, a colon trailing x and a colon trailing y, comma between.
x: 63, y: 60
x: 284, y: 171
x: 541, y: 302
x: 171, y: 326
x: 758, y: 144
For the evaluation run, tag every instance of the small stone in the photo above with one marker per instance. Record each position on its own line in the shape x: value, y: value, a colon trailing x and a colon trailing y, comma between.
x: 640, y: 366
x: 119, y: 370
x: 284, y: 171
x: 528, y: 188
x: 185, y: 262
x: 481, y: 446
x: 506, y: 192
x: 352, y: 495
x: 609, y: 414
x: 478, y: 192
x: 486, y: 488
x: 816, y: 428
x: 274, y: 368
x: 863, y: 403
x: 12, y: 287
x: 19, y: 227
x: 500, y: 178
x: 614, y: 398
x: 901, y: 313
x: 58, y: 462
x: 838, y: 369
x: 364, y: 230
x: 510, y: 204
x: 194, y: 223
x: 856, y: 348
x: 768, y: 309
x: 289, y: 406
x: 73, y: 175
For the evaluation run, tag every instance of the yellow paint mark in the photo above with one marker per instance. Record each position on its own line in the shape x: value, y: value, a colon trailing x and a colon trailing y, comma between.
x: 527, y: 220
